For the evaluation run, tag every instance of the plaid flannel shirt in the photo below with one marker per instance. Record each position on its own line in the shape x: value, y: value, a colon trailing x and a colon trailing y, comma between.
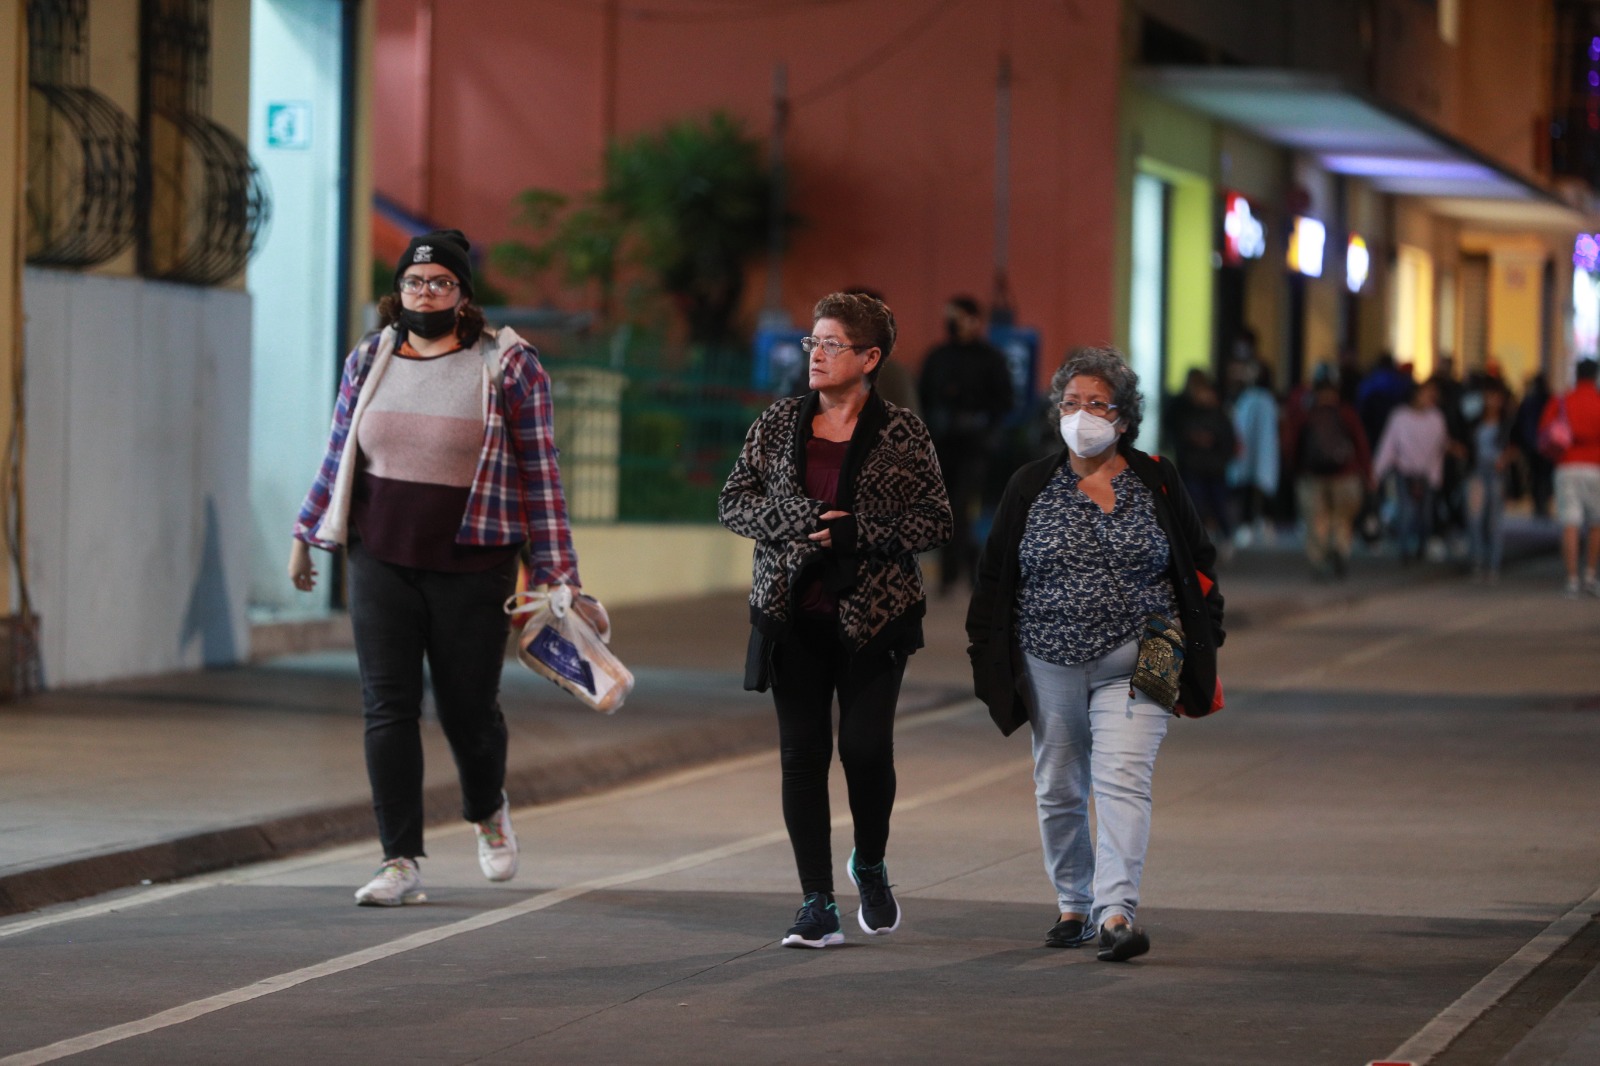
x: 516, y: 492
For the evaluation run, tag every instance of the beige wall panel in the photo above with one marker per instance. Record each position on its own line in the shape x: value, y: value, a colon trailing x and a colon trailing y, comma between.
x: 230, y: 65
x: 1366, y: 212
x: 230, y: 75
x: 1501, y: 78
x: 1322, y: 320
x: 1413, y: 225
x: 114, y: 72
x: 1265, y: 290
x: 1171, y: 135
x: 641, y: 563
x: 13, y: 167
x: 1249, y: 166
x: 1515, y: 310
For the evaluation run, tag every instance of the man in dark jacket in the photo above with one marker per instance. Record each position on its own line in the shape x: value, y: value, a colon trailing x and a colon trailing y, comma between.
x: 966, y: 395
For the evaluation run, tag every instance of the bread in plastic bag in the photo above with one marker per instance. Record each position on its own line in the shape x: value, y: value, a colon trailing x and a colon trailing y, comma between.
x: 559, y: 643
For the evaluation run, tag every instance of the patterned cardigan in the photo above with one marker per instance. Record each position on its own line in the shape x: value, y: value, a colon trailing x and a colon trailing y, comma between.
x: 892, y: 488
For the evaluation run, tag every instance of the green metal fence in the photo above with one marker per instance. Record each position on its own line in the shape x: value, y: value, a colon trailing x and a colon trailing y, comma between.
x: 648, y: 435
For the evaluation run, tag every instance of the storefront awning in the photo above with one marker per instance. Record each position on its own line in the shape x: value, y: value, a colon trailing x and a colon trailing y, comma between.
x: 1351, y: 134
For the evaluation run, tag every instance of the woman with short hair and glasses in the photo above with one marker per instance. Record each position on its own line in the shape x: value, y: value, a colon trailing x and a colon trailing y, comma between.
x: 440, y: 470
x: 1088, y: 547
x: 840, y: 491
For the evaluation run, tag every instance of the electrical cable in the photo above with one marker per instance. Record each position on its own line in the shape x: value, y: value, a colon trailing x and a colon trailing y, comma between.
x: 738, y: 10
x: 752, y: 9
x: 876, y: 57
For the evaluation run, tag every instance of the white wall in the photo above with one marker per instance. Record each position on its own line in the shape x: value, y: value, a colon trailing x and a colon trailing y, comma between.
x: 137, y: 508
x: 295, y: 59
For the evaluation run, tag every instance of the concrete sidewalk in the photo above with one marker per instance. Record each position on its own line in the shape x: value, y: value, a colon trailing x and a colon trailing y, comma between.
x: 109, y: 786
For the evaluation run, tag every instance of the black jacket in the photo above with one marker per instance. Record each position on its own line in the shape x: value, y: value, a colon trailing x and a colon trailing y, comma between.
x: 997, y: 657
x: 891, y: 486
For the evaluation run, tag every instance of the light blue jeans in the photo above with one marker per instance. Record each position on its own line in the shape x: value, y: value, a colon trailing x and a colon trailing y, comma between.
x: 1486, y: 519
x: 1089, y: 734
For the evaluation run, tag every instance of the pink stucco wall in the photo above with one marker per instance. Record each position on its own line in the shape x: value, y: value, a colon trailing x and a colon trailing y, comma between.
x: 891, y: 138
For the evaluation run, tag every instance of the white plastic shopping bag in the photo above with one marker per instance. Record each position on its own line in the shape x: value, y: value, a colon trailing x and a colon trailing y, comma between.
x: 558, y: 643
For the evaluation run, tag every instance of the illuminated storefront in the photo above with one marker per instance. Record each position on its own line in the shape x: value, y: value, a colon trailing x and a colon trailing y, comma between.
x: 1586, y: 296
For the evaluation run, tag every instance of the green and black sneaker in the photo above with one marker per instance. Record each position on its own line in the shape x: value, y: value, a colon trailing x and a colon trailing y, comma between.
x: 816, y: 923
x: 880, y: 911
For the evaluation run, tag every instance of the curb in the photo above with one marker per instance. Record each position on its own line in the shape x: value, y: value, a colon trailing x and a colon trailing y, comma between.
x: 533, y: 782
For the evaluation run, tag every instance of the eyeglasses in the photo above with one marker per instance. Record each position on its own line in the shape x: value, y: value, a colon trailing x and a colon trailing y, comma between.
x: 830, y: 347
x: 1094, y: 407
x: 438, y: 286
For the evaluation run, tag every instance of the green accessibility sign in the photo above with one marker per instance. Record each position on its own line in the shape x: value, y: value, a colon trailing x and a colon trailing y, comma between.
x: 289, y: 125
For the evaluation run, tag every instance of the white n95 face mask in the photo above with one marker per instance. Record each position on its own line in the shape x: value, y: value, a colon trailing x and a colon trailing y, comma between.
x: 1086, y: 434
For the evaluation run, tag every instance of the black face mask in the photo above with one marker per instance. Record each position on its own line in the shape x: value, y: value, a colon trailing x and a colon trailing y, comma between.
x: 429, y: 325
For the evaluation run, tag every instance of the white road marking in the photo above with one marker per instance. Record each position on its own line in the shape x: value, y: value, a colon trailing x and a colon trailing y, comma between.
x: 187, y: 1012
x: 1366, y: 653
x: 279, y: 867
x: 1454, y: 1019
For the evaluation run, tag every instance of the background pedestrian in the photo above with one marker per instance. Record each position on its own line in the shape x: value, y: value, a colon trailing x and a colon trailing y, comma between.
x: 1204, y: 444
x: 1489, y: 466
x: 966, y: 395
x: 1540, y: 469
x: 1413, y: 446
x: 1327, y: 450
x: 1255, y: 468
x: 1577, y: 477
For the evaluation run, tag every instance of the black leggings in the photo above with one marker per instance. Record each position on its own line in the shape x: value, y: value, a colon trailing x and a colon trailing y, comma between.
x: 808, y: 668
x: 402, y: 616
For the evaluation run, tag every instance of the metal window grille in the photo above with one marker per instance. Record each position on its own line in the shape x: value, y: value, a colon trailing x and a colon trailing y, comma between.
x: 82, y: 149
x: 203, y: 202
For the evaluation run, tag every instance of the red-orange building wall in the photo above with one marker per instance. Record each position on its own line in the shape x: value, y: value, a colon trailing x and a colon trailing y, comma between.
x: 890, y: 146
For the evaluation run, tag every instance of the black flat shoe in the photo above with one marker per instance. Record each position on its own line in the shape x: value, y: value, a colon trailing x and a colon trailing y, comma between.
x: 1119, y: 943
x: 1068, y: 933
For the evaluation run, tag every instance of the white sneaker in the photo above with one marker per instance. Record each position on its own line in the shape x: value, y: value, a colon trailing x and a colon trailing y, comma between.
x: 397, y: 881
x: 497, y: 844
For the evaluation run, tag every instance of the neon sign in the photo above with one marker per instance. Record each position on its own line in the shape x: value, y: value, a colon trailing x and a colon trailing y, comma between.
x: 1305, y: 246
x: 1586, y: 252
x: 1357, y: 263
x: 1243, y: 235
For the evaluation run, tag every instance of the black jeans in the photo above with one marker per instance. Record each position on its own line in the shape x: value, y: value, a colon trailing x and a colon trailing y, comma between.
x: 808, y: 668
x: 457, y: 622
x: 964, y: 462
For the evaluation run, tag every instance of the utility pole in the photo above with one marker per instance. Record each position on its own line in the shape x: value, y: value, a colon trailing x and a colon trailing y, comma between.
x: 772, y: 312
x: 608, y: 73
x: 1001, y: 312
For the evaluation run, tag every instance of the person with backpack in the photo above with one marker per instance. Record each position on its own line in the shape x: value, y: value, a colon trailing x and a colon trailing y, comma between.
x: 1326, y: 448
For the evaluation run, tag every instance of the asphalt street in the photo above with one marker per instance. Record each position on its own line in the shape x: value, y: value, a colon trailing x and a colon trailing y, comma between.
x: 1389, y: 834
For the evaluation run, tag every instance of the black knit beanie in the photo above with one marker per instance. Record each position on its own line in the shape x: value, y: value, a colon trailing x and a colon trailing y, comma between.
x: 445, y: 247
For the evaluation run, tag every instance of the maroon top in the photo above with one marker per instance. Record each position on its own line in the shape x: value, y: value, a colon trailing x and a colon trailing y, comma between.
x: 824, y: 461
x: 406, y: 523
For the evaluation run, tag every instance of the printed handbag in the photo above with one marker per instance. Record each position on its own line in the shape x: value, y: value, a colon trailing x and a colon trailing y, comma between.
x: 1160, y: 661
x: 558, y: 643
